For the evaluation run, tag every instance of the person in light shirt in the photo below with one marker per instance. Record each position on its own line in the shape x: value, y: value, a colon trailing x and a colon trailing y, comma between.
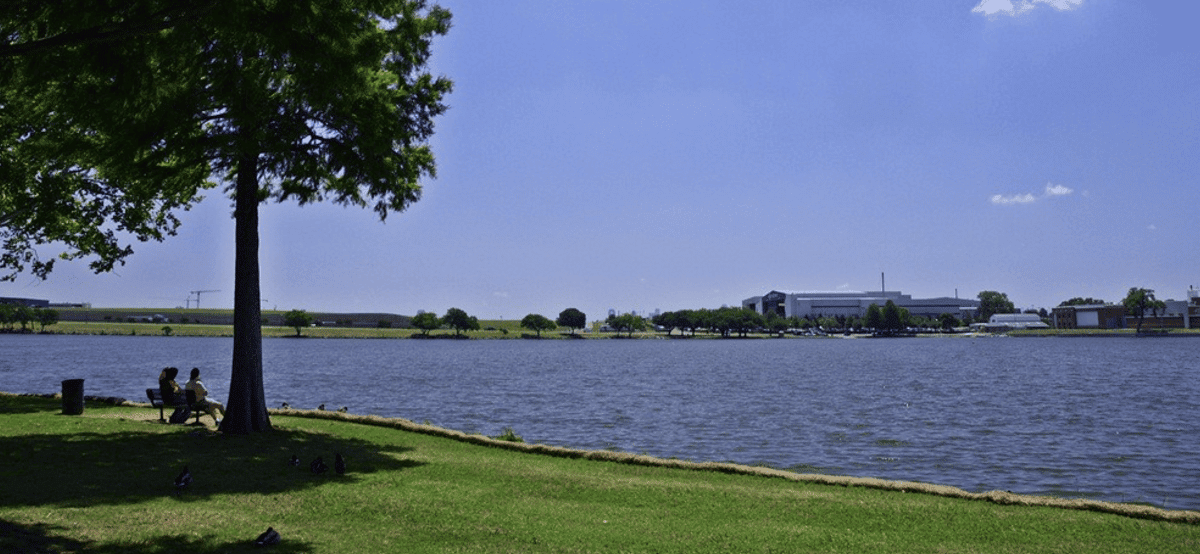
x: 212, y: 408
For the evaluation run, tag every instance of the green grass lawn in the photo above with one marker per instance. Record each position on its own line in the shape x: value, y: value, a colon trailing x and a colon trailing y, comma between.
x: 103, y: 483
x: 494, y: 329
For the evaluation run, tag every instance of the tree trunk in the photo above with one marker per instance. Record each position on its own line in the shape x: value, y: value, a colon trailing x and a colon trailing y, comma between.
x: 246, y: 410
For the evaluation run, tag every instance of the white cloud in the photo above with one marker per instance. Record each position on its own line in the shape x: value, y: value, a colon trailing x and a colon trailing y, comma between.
x: 1057, y: 190
x: 1051, y: 190
x: 1014, y: 199
x: 1152, y: 227
x: 993, y: 8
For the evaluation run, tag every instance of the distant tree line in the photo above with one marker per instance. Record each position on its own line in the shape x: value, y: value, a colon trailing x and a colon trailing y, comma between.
x: 13, y: 314
x: 728, y: 321
x: 461, y: 322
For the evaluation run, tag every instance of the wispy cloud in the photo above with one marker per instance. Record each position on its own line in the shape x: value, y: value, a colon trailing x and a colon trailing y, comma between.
x: 1014, y: 199
x: 993, y: 8
x: 1050, y: 191
x: 1057, y: 190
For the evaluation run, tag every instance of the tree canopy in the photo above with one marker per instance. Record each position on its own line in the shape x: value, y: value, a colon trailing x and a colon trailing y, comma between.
x: 1138, y: 301
x: 297, y: 319
x: 458, y: 320
x: 627, y: 322
x: 991, y: 303
x: 1080, y: 301
x: 874, y: 317
x: 572, y: 319
x: 426, y: 322
x: 538, y: 323
x: 893, y: 322
x: 117, y: 116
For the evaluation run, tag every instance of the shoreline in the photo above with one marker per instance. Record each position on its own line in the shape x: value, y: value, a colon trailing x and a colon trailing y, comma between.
x: 1139, y: 511
x: 510, y: 330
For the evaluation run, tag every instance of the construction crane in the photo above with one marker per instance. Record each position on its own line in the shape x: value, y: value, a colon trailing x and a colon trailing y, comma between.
x: 197, y: 293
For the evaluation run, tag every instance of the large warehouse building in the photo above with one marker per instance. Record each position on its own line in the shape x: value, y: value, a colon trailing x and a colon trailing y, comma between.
x: 855, y: 304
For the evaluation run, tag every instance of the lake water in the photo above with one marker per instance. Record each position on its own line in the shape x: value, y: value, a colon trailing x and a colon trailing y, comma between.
x: 1106, y: 418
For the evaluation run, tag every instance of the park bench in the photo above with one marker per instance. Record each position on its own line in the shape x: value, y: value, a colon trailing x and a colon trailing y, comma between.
x: 189, y: 398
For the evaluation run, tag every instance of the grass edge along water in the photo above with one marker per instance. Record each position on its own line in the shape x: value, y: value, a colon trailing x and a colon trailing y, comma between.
x: 103, y: 482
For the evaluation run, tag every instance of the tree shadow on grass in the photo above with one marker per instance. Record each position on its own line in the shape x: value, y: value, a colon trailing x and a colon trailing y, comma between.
x: 123, y: 467
x: 39, y: 538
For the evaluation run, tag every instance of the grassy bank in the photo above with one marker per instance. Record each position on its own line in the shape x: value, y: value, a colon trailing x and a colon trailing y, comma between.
x: 103, y: 483
x: 492, y: 330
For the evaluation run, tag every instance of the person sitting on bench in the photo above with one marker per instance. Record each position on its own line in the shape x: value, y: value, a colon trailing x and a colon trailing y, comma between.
x: 212, y: 408
x: 172, y: 395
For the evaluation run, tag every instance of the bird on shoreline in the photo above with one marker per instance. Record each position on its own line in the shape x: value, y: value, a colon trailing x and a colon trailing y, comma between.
x: 318, y: 466
x: 321, y: 407
x: 343, y: 410
x: 270, y: 537
x: 287, y: 406
x: 183, y: 480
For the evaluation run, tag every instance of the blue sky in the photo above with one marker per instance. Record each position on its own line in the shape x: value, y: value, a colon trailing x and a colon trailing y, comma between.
x: 684, y: 154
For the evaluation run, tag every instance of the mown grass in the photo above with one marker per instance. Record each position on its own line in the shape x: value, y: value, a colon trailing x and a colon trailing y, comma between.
x: 103, y: 483
x: 499, y: 329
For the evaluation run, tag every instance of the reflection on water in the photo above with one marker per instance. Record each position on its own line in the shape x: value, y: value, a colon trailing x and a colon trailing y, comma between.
x: 1108, y: 418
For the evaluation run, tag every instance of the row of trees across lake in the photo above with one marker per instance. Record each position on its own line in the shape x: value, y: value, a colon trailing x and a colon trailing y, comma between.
x: 12, y: 314
x: 889, y: 319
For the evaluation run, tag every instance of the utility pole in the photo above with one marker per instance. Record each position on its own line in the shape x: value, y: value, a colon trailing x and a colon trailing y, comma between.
x: 197, y: 293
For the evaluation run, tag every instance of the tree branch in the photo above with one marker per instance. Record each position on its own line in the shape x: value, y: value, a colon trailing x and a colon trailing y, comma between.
x: 158, y: 21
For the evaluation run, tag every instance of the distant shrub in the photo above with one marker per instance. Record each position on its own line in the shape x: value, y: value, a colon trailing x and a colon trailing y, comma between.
x: 509, y: 435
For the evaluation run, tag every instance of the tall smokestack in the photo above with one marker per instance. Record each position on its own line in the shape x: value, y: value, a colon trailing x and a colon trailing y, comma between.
x: 882, y: 282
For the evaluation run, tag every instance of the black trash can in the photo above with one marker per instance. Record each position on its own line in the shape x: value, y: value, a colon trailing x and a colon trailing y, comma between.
x: 72, y: 396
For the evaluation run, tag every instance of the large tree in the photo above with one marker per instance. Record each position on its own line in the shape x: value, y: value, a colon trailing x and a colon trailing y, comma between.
x: 627, y: 322
x: 103, y: 140
x: 538, y: 323
x: 991, y: 303
x: 458, y: 320
x: 874, y: 317
x: 891, y: 318
x: 297, y: 319
x: 572, y: 319
x: 426, y: 322
x: 1138, y: 300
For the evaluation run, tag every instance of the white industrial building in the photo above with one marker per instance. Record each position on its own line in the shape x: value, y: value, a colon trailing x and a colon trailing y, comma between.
x: 855, y: 304
x: 1000, y: 323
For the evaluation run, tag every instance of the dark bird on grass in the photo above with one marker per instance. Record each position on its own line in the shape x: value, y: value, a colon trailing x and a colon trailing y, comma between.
x: 343, y: 409
x: 295, y: 461
x: 339, y: 464
x: 318, y: 466
x: 270, y: 537
x: 321, y: 407
x: 184, y: 479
